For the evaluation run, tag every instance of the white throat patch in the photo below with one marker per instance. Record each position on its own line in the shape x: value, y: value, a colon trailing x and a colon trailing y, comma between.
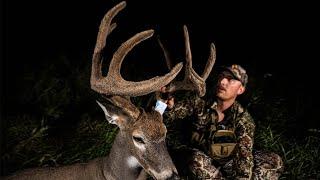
x: 133, y: 162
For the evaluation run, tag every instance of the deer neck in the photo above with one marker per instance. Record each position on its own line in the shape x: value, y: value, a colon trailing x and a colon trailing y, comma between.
x: 120, y: 164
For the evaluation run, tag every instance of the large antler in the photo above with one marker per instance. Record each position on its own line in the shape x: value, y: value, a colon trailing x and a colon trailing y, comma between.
x: 113, y: 83
x: 192, y: 81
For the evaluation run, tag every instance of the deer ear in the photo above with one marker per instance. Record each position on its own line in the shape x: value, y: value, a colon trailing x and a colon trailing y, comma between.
x: 114, y: 115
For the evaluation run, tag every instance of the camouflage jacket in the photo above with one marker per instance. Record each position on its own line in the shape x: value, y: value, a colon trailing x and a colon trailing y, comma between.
x: 203, y: 118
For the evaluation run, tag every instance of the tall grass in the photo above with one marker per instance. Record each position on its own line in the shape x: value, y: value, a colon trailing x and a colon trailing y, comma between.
x: 300, y: 157
x: 277, y: 130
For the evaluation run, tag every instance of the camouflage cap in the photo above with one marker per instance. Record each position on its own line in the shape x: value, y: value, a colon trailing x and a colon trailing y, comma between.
x: 238, y: 72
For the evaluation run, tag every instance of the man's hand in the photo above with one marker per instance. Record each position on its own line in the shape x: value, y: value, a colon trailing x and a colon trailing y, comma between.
x: 167, y: 97
x: 170, y: 102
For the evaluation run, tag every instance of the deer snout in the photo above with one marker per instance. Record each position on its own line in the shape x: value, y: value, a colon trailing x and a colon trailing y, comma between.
x: 174, y: 176
x: 164, y: 175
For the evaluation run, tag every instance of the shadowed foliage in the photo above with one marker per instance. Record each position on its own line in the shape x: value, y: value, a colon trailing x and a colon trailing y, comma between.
x: 56, y: 122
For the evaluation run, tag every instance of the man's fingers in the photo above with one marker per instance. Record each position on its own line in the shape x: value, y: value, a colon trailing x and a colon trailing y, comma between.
x: 163, y: 89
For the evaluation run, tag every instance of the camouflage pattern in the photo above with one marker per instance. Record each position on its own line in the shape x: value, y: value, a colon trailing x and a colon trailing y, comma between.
x: 202, y: 117
x: 238, y: 72
x: 267, y: 166
x: 201, y: 166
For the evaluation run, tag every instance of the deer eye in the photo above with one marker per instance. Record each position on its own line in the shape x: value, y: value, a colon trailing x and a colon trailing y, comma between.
x: 138, y: 139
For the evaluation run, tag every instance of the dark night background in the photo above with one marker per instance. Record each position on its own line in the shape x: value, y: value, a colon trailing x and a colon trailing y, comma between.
x: 280, y: 39
x: 275, y: 42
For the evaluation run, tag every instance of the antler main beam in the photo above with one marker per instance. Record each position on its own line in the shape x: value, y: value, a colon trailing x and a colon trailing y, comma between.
x: 113, y: 83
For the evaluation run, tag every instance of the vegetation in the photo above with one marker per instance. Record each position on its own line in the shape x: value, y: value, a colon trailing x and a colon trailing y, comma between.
x: 277, y: 131
x: 54, y: 120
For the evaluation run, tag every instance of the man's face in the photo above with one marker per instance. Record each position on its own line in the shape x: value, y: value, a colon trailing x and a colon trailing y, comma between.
x: 228, y: 87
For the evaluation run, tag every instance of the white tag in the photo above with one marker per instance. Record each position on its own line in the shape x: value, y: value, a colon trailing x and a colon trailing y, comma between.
x: 160, y: 106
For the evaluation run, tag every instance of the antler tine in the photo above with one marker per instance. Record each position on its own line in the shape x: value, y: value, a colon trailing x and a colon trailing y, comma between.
x: 210, y: 62
x: 166, y: 54
x: 104, y: 30
x: 99, y: 68
x: 113, y: 83
x: 123, y: 50
x: 187, y: 46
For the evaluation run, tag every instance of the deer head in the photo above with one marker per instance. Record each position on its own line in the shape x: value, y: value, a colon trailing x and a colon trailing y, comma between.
x: 142, y: 134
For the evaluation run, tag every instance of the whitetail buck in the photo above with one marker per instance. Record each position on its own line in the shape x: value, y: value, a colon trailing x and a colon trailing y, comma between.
x: 140, y: 144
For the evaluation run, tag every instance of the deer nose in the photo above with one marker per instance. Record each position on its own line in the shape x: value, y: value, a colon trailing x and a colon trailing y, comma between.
x: 174, y: 176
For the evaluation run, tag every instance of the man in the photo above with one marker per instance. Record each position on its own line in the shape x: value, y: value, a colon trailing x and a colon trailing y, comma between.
x: 222, y: 132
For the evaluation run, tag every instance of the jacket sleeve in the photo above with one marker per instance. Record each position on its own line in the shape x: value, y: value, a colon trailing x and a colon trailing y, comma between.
x: 243, y: 164
x: 182, y: 108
